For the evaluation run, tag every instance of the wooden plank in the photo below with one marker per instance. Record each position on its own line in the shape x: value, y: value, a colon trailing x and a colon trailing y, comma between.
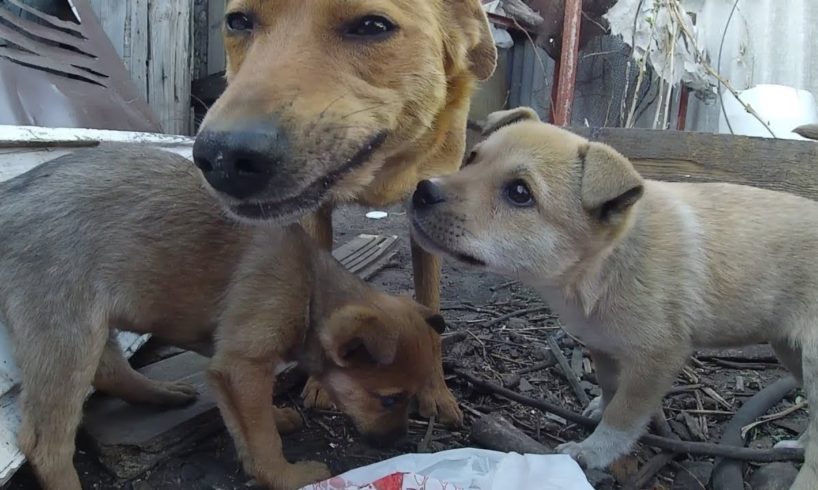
x: 216, y: 60
x: 137, y: 44
x: 169, y: 63
x: 782, y: 165
x: 365, y: 255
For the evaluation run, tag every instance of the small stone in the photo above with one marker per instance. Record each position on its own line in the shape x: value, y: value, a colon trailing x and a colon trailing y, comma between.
x: 510, y: 380
x: 516, y: 323
x: 692, y: 474
x: 525, y: 385
x: 773, y: 476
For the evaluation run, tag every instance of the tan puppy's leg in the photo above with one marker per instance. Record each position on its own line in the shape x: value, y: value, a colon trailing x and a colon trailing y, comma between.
x: 642, y: 384
x: 791, y: 357
x: 243, y: 389
x: 56, y: 374
x: 607, y: 375
x: 319, y: 226
x: 807, y: 478
x: 116, y: 377
x: 434, y: 398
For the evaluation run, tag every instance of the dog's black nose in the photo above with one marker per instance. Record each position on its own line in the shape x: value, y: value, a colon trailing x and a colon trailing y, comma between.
x: 240, y: 161
x: 427, y: 194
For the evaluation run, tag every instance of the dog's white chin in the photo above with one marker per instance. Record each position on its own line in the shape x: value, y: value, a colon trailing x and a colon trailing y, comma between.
x: 428, y: 244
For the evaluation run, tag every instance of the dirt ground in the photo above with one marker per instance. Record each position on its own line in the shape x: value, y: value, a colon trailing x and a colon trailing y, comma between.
x: 707, y: 393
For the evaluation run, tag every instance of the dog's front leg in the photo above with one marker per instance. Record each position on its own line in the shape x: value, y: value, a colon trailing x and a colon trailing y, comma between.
x: 244, y: 390
x: 642, y: 384
x: 434, y: 398
x: 607, y: 375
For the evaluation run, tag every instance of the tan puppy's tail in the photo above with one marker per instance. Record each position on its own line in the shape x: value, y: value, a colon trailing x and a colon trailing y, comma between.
x: 808, y: 476
x: 807, y: 131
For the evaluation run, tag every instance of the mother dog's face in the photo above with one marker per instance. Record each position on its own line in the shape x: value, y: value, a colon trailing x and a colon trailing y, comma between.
x: 321, y: 92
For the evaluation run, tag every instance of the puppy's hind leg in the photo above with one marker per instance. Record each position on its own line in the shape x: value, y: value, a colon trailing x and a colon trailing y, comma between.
x: 57, y: 367
x: 807, y: 478
x: 790, y: 357
x: 116, y: 377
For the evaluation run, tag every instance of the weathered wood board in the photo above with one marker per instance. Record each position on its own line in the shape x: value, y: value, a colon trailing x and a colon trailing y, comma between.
x: 782, y: 165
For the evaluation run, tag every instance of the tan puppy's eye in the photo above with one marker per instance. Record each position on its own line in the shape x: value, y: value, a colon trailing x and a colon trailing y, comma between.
x: 518, y: 194
x: 238, y: 22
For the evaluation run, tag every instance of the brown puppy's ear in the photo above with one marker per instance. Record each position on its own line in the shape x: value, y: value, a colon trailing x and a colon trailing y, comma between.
x: 468, y: 38
x: 610, y: 184
x: 356, y: 333
x: 499, y: 119
x: 435, y: 320
x: 807, y: 131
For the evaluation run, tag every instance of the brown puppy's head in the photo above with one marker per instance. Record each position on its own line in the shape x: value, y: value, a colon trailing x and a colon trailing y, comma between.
x: 532, y: 200
x: 378, y: 357
x: 321, y: 92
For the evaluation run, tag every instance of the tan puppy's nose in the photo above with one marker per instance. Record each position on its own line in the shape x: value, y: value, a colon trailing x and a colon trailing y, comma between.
x: 427, y: 195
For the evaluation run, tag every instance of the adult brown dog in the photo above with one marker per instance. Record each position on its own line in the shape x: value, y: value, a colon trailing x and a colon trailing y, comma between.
x: 333, y: 102
x: 130, y: 238
x: 642, y: 271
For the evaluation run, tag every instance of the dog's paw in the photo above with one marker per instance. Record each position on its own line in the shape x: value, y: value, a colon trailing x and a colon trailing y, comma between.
x: 440, y: 402
x: 587, y: 456
x: 594, y: 409
x: 288, y: 420
x: 315, y: 396
x: 301, y: 474
x: 174, y: 394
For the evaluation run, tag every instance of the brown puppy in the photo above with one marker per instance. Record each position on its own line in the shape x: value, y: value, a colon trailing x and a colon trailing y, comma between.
x: 333, y: 102
x: 642, y: 271
x: 129, y: 238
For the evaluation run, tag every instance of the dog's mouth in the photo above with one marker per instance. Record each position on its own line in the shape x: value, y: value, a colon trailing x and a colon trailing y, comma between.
x: 427, y: 241
x: 313, y: 194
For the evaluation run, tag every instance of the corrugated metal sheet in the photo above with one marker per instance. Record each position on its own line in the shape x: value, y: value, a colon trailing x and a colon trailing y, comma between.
x: 767, y: 42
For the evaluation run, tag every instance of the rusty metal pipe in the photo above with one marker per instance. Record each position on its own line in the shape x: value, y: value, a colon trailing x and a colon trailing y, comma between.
x: 567, y: 73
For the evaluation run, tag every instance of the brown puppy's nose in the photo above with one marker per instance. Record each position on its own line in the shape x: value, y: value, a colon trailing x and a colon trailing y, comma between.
x: 242, y: 160
x: 427, y: 194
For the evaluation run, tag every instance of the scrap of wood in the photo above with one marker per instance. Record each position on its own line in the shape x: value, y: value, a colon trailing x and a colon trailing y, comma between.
x: 365, y: 255
x: 807, y: 131
x: 493, y: 431
x: 569, y: 373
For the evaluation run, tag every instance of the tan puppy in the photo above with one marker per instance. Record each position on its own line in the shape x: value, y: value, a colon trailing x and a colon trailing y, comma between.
x: 641, y: 271
x: 129, y: 238
x: 333, y: 102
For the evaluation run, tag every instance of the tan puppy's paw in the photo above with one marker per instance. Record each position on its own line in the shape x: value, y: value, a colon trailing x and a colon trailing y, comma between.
x: 594, y: 409
x: 439, y: 401
x: 301, y: 474
x: 601, y: 448
x: 173, y: 394
x: 288, y: 420
x: 315, y: 396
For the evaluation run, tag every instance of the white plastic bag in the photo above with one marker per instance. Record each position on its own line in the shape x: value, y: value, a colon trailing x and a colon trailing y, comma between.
x: 465, y: 469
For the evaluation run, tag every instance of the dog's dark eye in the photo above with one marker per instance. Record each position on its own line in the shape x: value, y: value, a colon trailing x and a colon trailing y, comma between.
x: 373, y: 27
x: 391, y: 400
x: 238, y: 22
x: 518, y: 194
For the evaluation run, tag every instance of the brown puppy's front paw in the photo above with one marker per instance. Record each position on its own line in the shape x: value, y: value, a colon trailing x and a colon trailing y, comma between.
x: 439, y: 401
x: 174, y: 394
x: 288, y: 420
x: 315, y: 396
x: 301, y: 474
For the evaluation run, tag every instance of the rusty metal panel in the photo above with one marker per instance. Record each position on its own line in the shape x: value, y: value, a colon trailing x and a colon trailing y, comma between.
x: 64, y: 71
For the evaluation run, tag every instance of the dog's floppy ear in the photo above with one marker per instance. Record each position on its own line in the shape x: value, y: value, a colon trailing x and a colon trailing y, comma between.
x: 499, y: 119
x: 356, y: 332
x: 467, y: 37
x: 610, y: 184
x: 434, y: 319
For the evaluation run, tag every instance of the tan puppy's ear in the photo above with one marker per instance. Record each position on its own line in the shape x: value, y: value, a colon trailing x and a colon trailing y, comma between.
x: 468, y: 38
x: 355, y: 333
x: 610, y: 184
x: 499, y: 119
x: 807, y: 131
